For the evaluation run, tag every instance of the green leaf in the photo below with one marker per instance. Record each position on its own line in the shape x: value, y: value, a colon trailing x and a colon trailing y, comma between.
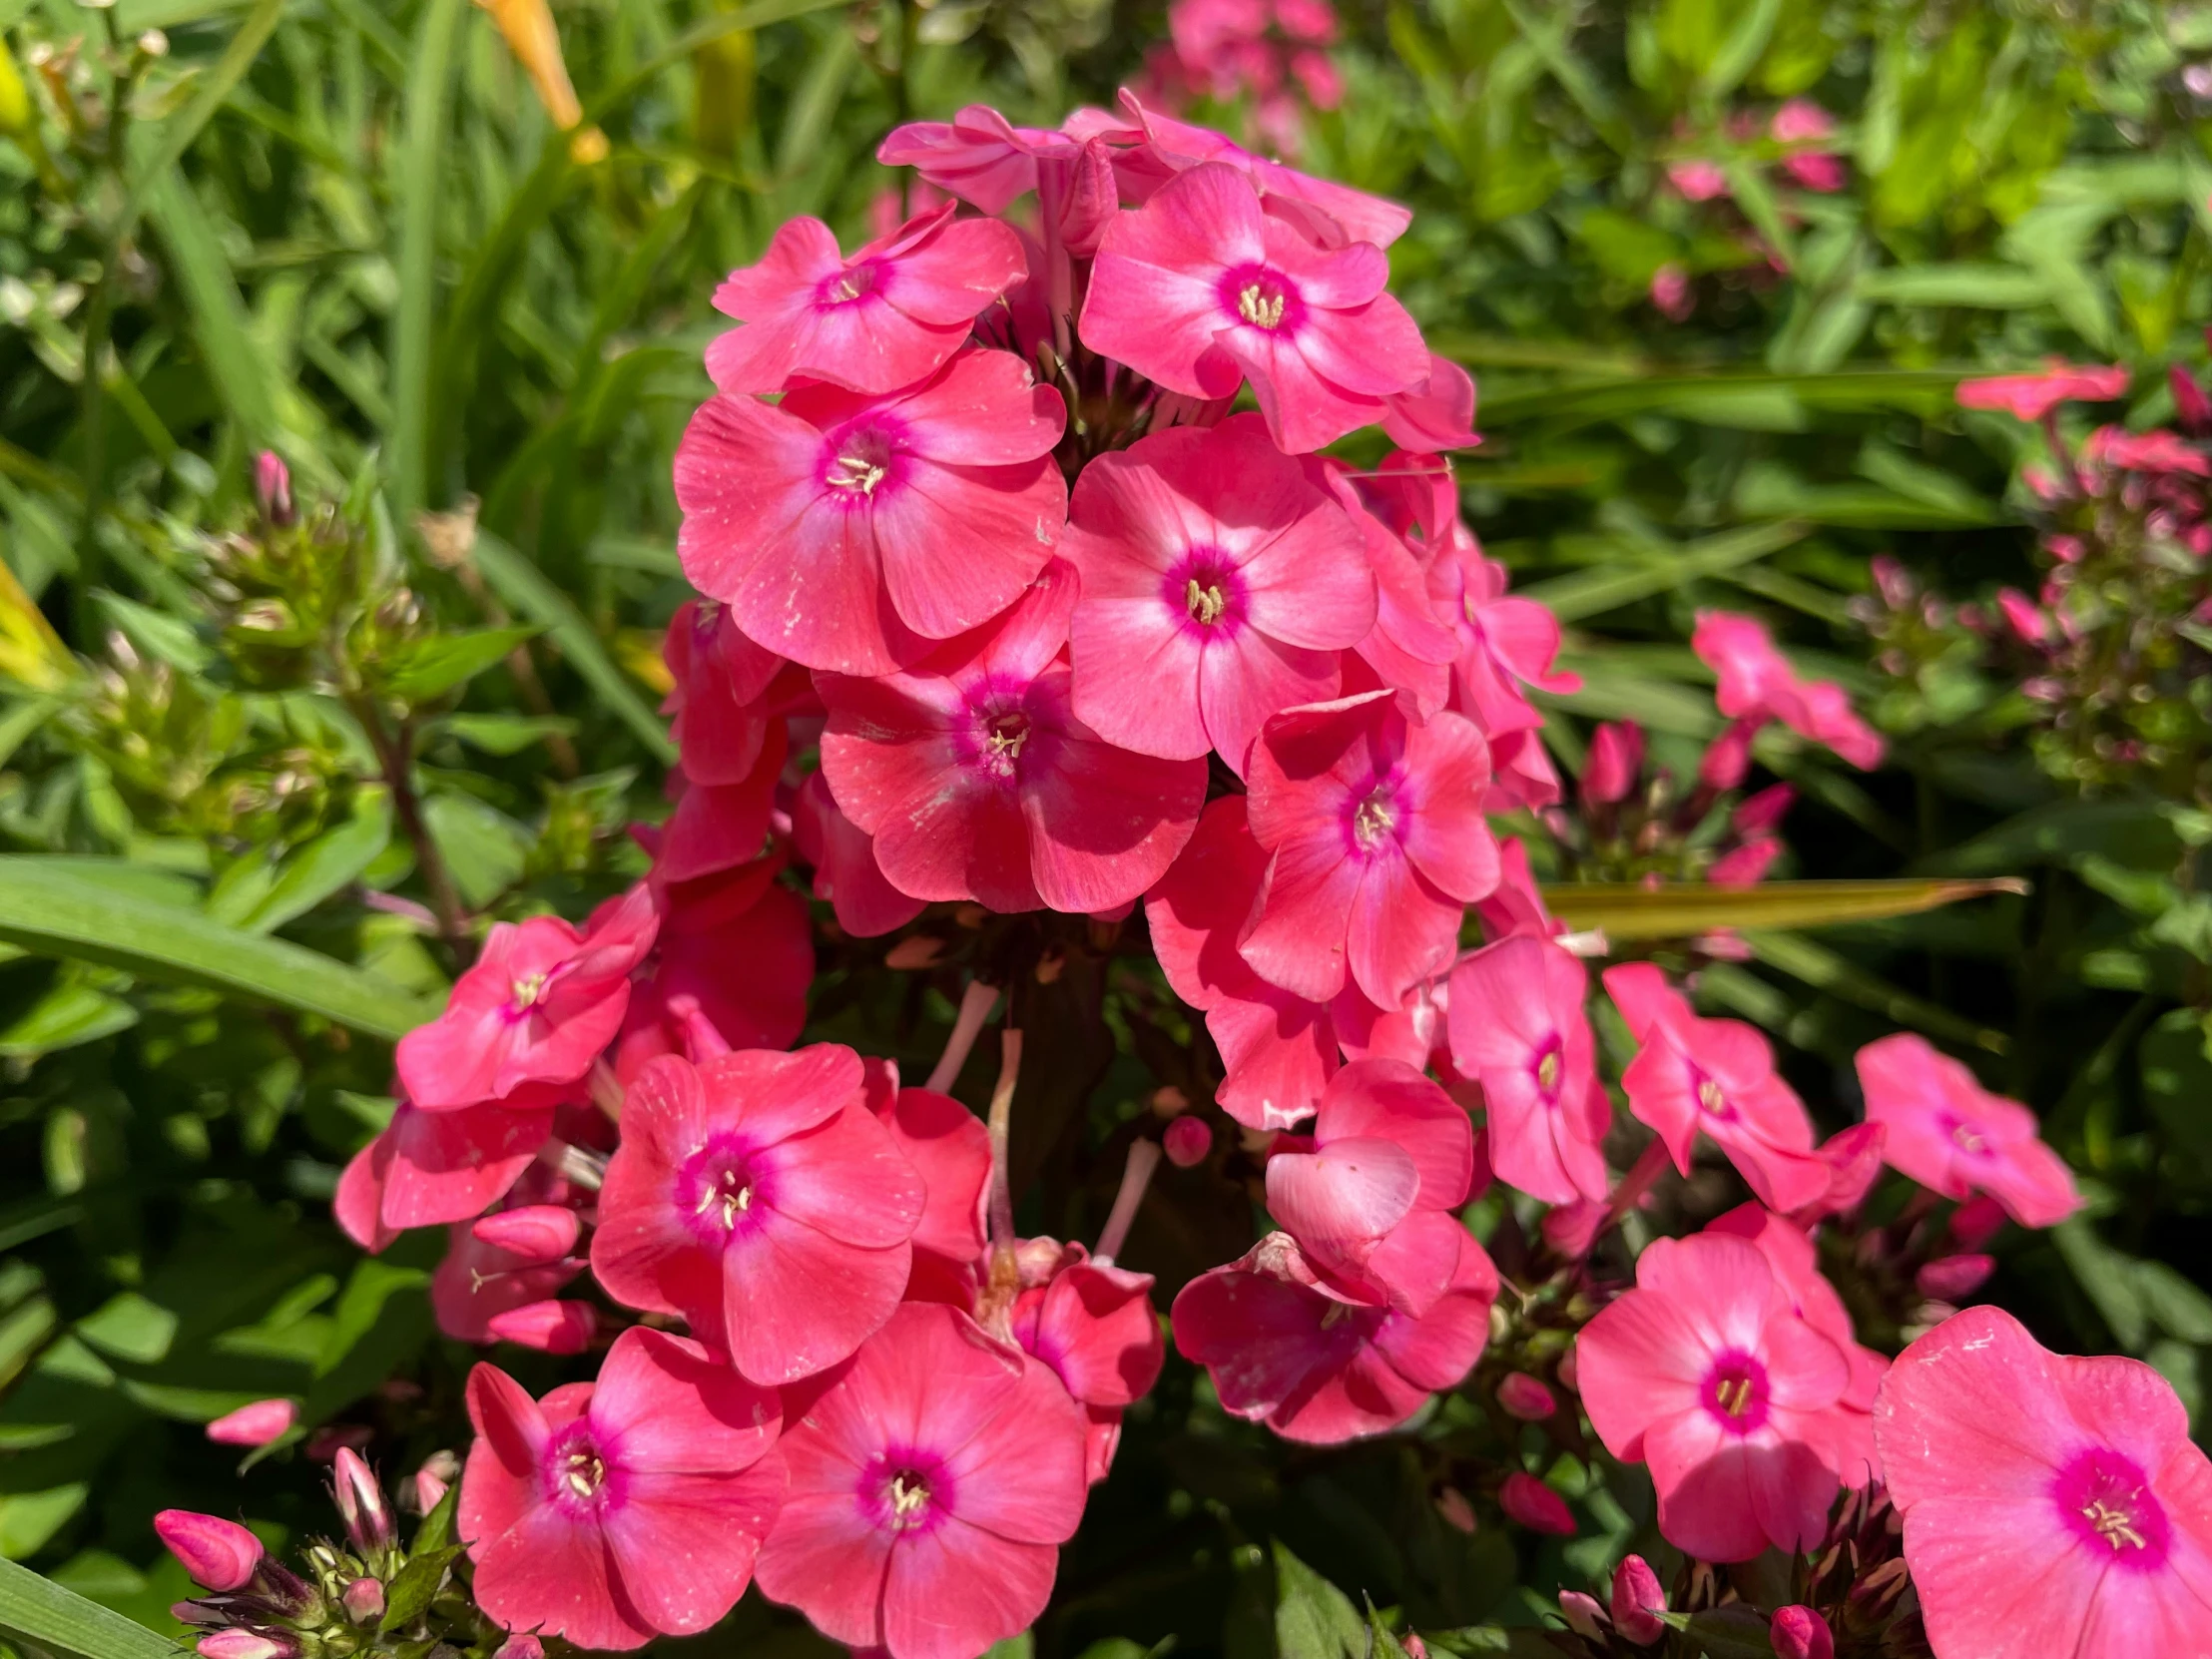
x: 1626, y: 910
x: 1732, y: 1632
x: 507, y: 734
x: 2107, y: 1277
x: 1649, y: 569
x: 410, y: 1595
x: 38, y: 1611
x: 437, y: 1530
x: 174, y: 135
x: 443, y: 661
x: 1313, y: 1618
x: 1825, y: 970
x: 68, y: 1014
x: 422, y: 154
x: 52, y: 911
x: 1997, y: 288
x: 522, y: 585
x: 326, y: 863
x: 485, y: 851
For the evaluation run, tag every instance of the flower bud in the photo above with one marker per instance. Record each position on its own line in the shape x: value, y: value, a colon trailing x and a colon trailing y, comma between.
x: 1536, y: 1505
x: 1953, y: 1279
x: 1639, y: 1601
x: 238, y: 1642
x: 1746, y: 865
x: 1583, y: 1615
x: 521, y: 1645
x: 2191, y: 407
x: 1976, y: 1222
x: 218, y: 1553
x: 256, y: 1424
x: 1615, y: 762
x: 1761, y: 813
x: 553, y: 1326
x: 1854, y: 1158
x: 364, y: 1601
x: 1187, y: 1141
x: 439, y: 1471
x: 1412, y: 1646
x: 1729, y: 757
x: 361, y: 1501
x: 1801, y: 1634
x: 1523, y: 1397
x: 1564, y: 1370
x: 535, y: 1233
x: 273, y: 487
x: 1458, y: 1512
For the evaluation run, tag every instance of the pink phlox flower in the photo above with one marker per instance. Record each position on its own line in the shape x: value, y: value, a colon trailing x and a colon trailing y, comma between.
x: 1528, y: 1502
x: 873, y: 321
x: 524, y: 1024
x: 848, y: 531
x: 2157, y: 451
x: 1407, y: 649
x: 978, y: 155
x: 2032, y: 396
x: 717, y: 827
x: 1518, y: 1029
x: 1704, y: 1373
x: 1757, y: 681
x: 1217, y: 586
x: 1438, y: 414
x: 431, y: 1166
x: 721, y: 677
x: 757, y: 1196
x: 2051, y: 1504
x: 1671, y: 293
x: 1800, y: 122
x: 1697, y: 180
x: 1849, y: 1447
x: 1414, y: 1033
x: 1377, y: 841
x: 220, y: 1554
x: 951, y: 1150
x: 1516, y: 905
x: 1200, y: 290
x: 1504, y: 643
x: 1615, y: 764
x: 978, y: 779
x: 1854, y: 1160
x: 550, y: 1326
x: 613, y: 1511
x: 258, y: 1423
x: 1316, y: 1363
x: 736, y: 950
x: 1954, y: 1137
x: 1389, y: 1162
x: 845, y: 870
x: 490, y: 1268
x: 1715, y: 1075
x: 1094, y: 1325
x: 932, y: 1482
x: 1278, y: 1050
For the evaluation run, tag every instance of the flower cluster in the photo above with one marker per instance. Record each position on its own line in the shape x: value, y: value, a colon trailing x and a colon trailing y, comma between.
x: 983, y: 528
x: 1274, y: 52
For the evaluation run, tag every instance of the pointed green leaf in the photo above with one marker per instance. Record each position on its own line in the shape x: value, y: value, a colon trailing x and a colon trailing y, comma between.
x: 1625, y: 911
x: 39, y: 1612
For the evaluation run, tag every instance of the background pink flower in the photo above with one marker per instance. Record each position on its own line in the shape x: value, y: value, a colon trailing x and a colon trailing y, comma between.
x: 1954, y: 1137
x: 1217, y: 586
x: 1518, y: 1029
x: 2051, y: 1504
x: 2032, y: 396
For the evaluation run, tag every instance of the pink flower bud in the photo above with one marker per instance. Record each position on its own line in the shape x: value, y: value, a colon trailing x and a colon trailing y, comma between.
x: 1523, y: 1397
x: 1458, y: 1512
x: 536, y: 1233
x: 1615, y: 762
x: 237, y: 1642
x: 1759, y: 814
x: 1187, y: 1142
x: 1976, y: 1222
x: 2025, y: 618
x: 2191, y: 407
x: 438, y: 1473
x: 1744, y: 865
x: 1729, y: 757
x: 1853, y: 1159
x: 1566, y: 1371
x: 256, y: 1424
x: 1583, y: 1615
x: 1671, y: 293
x: 273, y: 487
x: 364, y: 1601
x: 1571, y: 1228
x: 554, y: 1327
x: 1953, y: 1278
x: 218, y: 1553
x: 361, y: 1501
x: 1414, y: 1647
x: 1801, y: 1634
x: 1536, y: 1505
x: 1639, y: 1601
x: 521, y: 1645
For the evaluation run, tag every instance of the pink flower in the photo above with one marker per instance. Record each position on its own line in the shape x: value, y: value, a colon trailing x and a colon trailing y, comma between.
x: 950, y: 1149
x: 1217, y: 586
x: 757, y: 1197
x: 845, y: 870
x: 2051, y: 1504
x: 1697, y: 180
x: 1744, y: 865
x: 524, y: 1024
x: 256, y: 1424
x: 432, y: 1167
x: 221, y: 1555
x: 1200, y: 289
x: 1758, y: 681
x: 1391, y: 1158
x: 1801, y: 1634
x: 1954, y: 1137
x: 1438, y: 414
x: 1716, y: 1075
x: 847, y: 532
x: 550, y: 1326
x: 1704, y: 1373
x: 1504, y: 643
x: 932, y: 1482
x: 717, y: 827
x: 1518, y: 1029
x: 1516, y: 905
x: 2158, y: 450
x: 1671, y: 293
x: 1637, y: 1601
x: 978, y: 781
x: 1524, y: 1396
x: 1374, y: 827
x: 2032, y: 396
x: 612, y: 1511
x: 1094, y: 1325
x: 480, y: 1281
x: 2024, y: 615
x: 736, y: 950
x: 1528, y: 1502
x: 1800, y: 121
x: 721, y: 678
x: 1278, y: 1050
x: 1615, y: 764
x: 884, y: 319
x: 1187, y: 1142
x: 977, y: 156
x: 1316, y: 1363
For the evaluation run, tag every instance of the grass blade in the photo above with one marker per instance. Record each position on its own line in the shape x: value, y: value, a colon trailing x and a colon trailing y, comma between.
x: 430, y: 87
x: 39, y: 1612
x: 1625, y: 911
x: 181, y: 129
x: 1593, y: 592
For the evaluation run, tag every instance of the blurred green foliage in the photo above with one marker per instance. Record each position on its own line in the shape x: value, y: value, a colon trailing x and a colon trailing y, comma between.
x: 346, y: 230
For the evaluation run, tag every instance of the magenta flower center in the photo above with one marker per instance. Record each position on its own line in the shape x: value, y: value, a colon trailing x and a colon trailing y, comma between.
x: 2106, y: 1499
x: 907, y: 1491
x: 579, y: 1475
x: 1711, y: 1099
x: 1206, y: 585
x: 1374, y: 820
x: 860, y: 462
x: 1260, y: 296
x: 1003, y: 738
x: 1967, y: 1137
x: 1549, y: 1067
x: 853, y: 282
x: 716, y: 1188
x: 525, y: 993
x: 1735, y: 1391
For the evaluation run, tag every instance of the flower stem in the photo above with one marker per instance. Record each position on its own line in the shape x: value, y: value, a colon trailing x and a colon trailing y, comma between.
x: 1136, y: 1176
x: 1637, y: 1182
x: 976, y: 1003
x: 1001, y: 1124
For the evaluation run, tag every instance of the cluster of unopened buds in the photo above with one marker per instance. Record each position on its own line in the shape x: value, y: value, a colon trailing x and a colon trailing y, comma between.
x: 1796, y: 141
x: 1274, y: 52
x: 978, y: 525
